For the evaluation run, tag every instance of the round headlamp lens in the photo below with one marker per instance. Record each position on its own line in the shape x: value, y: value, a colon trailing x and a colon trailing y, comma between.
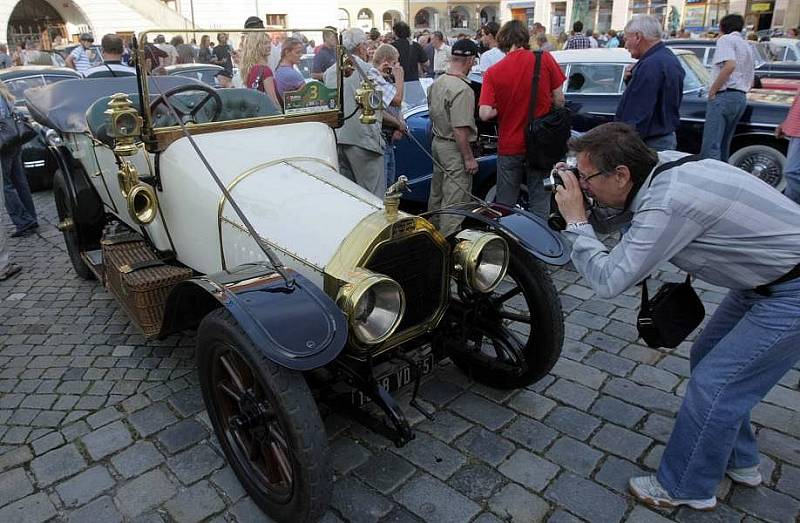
x: 491, y: 265
x: 378, y: 311
x: 125, y: 124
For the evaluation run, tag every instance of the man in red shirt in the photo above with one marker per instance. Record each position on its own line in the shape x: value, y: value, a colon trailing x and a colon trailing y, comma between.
x: 506, y: 95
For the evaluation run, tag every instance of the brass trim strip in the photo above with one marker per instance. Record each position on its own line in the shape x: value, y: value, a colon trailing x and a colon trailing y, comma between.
x: 275, y: 246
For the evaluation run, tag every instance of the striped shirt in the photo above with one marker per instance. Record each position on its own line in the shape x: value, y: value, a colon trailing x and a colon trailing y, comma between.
x: 81, y: 57
x: 708, y: 218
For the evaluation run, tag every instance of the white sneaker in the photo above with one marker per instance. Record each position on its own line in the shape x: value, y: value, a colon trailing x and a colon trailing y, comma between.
x: 749, y: 476
x: 648, y: 490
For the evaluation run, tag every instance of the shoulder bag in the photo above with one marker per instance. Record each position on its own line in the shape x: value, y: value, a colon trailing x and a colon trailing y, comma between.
x: 546, y: 137
x: 14, y: 130
x: 666, y: 319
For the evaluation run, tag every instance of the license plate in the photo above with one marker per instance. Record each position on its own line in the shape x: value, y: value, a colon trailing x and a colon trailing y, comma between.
x: 395, y: 379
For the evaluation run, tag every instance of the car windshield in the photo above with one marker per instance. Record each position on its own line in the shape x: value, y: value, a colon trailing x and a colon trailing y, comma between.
x: 595, y: 78
x: 94, y: 52
x: 415, y: 93
x: 697, y: 76
x: 205, y: 74
x: 17, y: 86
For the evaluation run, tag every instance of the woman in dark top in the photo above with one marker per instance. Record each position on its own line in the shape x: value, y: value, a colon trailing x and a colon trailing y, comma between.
x: 204, y: 56
x: 411, y: 53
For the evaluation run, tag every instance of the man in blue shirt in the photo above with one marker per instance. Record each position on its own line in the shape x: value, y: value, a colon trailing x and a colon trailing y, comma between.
x: 652, y: 99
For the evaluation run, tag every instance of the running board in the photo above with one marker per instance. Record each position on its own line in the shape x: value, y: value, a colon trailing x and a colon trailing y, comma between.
x: 94, y: 260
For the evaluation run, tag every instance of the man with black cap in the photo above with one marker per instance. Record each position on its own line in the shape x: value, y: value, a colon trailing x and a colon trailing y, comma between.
x: 79, y: 59
x: 451, y: 104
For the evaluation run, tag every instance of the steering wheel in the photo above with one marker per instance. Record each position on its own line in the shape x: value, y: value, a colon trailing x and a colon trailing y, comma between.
x: 187, y: 113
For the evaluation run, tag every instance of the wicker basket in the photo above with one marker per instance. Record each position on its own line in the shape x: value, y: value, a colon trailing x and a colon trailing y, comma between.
x: 140, y: 281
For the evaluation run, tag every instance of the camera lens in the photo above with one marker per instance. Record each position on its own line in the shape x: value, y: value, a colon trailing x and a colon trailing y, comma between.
x: 550, y: 182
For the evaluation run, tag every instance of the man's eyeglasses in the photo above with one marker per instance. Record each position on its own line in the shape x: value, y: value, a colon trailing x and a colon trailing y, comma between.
x: 584, y: 178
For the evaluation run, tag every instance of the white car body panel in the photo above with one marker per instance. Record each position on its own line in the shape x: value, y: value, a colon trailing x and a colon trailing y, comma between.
x: 286, y: 193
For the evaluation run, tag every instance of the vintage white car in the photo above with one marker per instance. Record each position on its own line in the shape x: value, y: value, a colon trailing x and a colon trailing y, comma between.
x: 216, y: 211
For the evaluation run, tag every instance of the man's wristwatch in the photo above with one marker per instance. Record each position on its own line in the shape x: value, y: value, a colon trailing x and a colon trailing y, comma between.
x: 576, y: 225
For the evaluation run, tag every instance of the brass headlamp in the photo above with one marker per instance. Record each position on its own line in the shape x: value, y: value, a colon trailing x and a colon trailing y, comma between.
x: 124, y: 124
x: 370, y: 99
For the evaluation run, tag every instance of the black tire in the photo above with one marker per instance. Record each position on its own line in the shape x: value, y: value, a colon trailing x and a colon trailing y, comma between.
x: 72, y: 237
x: 763, y: 161
x: 499, y: 347
x: 287, y: 437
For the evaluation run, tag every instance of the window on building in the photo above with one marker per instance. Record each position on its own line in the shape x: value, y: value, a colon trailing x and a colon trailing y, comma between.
x: 276, y: 20
x: 657, y: 8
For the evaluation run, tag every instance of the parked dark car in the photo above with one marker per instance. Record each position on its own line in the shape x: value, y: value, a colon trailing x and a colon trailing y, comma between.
x: 772, y: 60
x: 37, y: 160
x: 206, y: 73
x: 594, y: 87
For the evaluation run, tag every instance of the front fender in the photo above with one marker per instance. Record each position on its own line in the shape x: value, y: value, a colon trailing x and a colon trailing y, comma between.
x: 300, y: 327
x: 517, y: 226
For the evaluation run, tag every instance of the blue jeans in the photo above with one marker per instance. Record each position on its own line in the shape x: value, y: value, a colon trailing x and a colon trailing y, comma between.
x: 512, y: 172
x: 389, y: 163
x: 722, y: 115
x: 16, y: 192
x: 666, y: 142
x: 750, y: 342
x: 792, y: 170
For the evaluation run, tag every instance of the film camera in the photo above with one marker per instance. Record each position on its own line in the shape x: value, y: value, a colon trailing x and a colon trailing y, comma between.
x: 555, y: 220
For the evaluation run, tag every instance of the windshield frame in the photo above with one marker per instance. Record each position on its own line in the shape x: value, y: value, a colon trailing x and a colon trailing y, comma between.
x: 158, y: 138
x: 696, y: 67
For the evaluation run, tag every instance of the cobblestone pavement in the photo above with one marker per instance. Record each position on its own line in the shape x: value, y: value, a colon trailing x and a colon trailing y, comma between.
x: 98, y: 426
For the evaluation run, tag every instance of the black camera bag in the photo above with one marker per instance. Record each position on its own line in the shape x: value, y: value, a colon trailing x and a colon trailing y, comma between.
x: 675, y: 310
x: 546, y: 137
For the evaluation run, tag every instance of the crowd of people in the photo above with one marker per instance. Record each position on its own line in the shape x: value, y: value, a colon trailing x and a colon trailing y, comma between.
x: 707, y: 217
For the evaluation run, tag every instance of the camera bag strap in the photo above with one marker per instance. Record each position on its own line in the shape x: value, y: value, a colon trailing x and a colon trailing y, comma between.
x: 537, y: 69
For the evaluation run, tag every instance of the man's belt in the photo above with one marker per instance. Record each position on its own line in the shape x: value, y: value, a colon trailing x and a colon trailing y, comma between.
x: 789, y: 276
x: 732, y: 89
x: 472, y: 145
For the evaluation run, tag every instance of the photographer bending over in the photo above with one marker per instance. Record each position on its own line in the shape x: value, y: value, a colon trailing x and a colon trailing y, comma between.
x: 727, y: 228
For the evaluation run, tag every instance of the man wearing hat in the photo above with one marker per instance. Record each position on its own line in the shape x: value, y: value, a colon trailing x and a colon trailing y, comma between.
x: 451, y: 104
x: 254, y: 22
x: 80, y: 59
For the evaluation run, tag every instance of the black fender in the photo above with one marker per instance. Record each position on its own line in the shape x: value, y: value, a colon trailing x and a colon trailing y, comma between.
x: 87, y: 207
x: 297, y: 327
x: 518, y: 227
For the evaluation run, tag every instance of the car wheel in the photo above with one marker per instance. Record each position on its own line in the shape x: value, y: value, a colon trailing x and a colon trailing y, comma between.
x: 513, y: 336
x: 69, y: 227
x: 763, y: 161
x: 266, y: 420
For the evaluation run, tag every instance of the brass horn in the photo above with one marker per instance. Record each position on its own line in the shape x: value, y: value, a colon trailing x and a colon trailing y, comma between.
x: 142, y: 203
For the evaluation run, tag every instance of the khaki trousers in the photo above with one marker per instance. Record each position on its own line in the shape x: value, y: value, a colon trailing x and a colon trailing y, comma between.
x: 449, y: 186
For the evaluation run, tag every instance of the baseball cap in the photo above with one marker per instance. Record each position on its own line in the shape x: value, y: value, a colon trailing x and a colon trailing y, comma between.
x: 87, y: 36
x: 464, y: 47
x: 254, y: 22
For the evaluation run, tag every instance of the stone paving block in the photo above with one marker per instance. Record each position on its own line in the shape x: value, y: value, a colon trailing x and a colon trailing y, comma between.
x: 658, y: 427
x: 33, y: 509
x: 605, y: 342
x: 574, y: 331
x: 765, y: 504
x: 574, y: 455
x: 789, y: 481
x: 346, y: 455
x: 15, y: 457
x: 136, y: 459
x: 579, y: 291
x: 641, y: 354
x: 480, y: 410
x: 14, y: 485
x: 721, y: 514
x: 615, y: 473
x: 572, y: 422
x: 57, y: 464
x: 445, y: 426
x: 646, y: 397
x: 103, y: 417
x: 639, y: 514
x: 587, y: 319
x: 572, y: 394
x: 531, y: 404
x: 781, y: 396
x: 107, y: 440
x: 617, y: 411
x: 586, y: 499
x: 485, y: 445
x: 385, y: 471
x: 620, y: 441
x: 48, y: 418
x: 439, y: 392
x: 152, y: 419
x: 653, y: 457
x: 435, y: 502
x: 477, y: 482
x: 516, y: 504
x: 622, y: 330
x: 530, y: 433
x: 145, y: 492
x: 583, y: 374
x: 194, y: 504
x: 562, y: 516
x: 227, y: 482
x: 575, y: 350
x: 778, y: 418
x: 181, y: 435
x: 101, y: 509
x: 16, y: 435
x: 358, y: 503
x: 432, y: 456
x: 85, y: 486
x: 610, y: 363
x: 779, y: 445
x: 187, y: 402
x: 675, y: 365
x: 655, y: 377
x: 529, y: 470
x: 491, y: 393
x: 195, y: 463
